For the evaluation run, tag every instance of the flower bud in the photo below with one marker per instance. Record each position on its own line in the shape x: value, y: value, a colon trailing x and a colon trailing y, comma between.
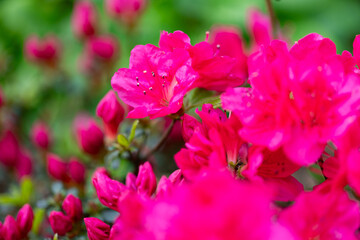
x: 111, y: 112
x: 40, y: 135
x: 9, y: 149
x: 10, y: 229
x: 45, y: 51
x: 76, y: 170
x: 189, y: 126
x: 24, y: 164
x: 25, y: 219
x: 60, y: 223
x: 146, y: 180
x: 84, y: 19
x: 259, y: 26
x: 89, y: 135
x: 97, y: 229
x: 56, y: 167
x: 104, y: 48
x: 130, y: 181
x: 127, y: 11
x: 2, y: 232
x: 108, y: 190
x: 72, y: 207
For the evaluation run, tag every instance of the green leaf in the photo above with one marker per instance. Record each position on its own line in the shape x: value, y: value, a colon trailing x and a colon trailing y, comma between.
x: 39, y: 214
x: 26, y: 189
x: 123, y: 141
x: 132, y: 132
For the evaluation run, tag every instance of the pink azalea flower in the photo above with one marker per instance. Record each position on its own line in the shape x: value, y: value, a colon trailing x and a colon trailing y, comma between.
x: 84, y: 19
x: 57, y: 168
x: 97, y: 229
x: 40, y: 135
x: 299, y: 98
x: 322, y: 214
x: 44, y: 51
x: 111, y: 112
x: 259, y: 27
x: 9, y: 149
x: 25, y: 219
x: 60, y: 223
x: 103, y: 48
x: 24, y: 165
x: 155, y: 82
x: 128, y: 11
x: 76, y: 170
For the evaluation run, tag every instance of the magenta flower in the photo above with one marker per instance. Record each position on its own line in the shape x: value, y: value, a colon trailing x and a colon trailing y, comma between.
x: 44, y: 51
x: 57, y: 168
x: 155, y: 82
x: 259, y: 27
x: 108, y: 190
x: 299, y: 98
x: 325, y: 220
x: 111, y: 112
x: 128, y: 11
x: 25, y: 219
x: 97, y: 229
x: 72, y: 207
x: 89, y: 135
x: 9, y: 149
x: 40, y: 135
x: 60, y: 223
x: 24, y: 165
x: 76, y: 170
x: 84, y: 19
x: 146, y: 180
x: 10, y: 229
x: 104, y: 48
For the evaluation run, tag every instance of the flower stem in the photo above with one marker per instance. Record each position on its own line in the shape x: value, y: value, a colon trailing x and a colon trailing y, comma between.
x: 162, y: 140
x: 274, y: 22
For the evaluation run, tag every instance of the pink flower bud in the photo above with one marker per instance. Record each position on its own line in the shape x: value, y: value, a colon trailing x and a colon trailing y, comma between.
x: 72, y: 207
x: 76, y: 170
x: 1, y: 98
x: 189, y: 126
x: 2, y: 232
x: 45, y: 51
x: 127, y: 11
x: 259, y: 26
x: 104, y: 48
x: 40, y: 135
x: 25, y: 219
x: 89, y: 135
x: 9, y: 149
x: 84, y: 19
x: 108, y: 190
x: 146, y: 180
x: 97, y: 229
x: 130, y: 181
x: 24, y: 164
x: 56, y: 167
x: 60, y: 223
x: 176, y: 177
x: 111, y: 112
x: 10, y: 229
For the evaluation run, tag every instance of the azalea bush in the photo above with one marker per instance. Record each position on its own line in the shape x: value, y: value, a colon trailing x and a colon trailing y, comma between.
x: 241, y: 133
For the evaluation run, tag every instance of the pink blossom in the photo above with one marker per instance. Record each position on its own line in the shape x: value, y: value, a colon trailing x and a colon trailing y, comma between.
x: 111, y: 112
x: 43, y: 51
x: 56, y: 167
x: 40, y: 135
x: 155, y: 82
x: 88, y: 134
x: 108, y: 190
x: 128, y: 11
x: 299, y: 98
x: 24, y: 165
x: 321, y: 215
x: 146, y: 180
x: 10, y: 229
x: 104, y: 48
x: 259, y: 27
x: 84, y: 19
x: 76, y: 170
x: 72, y: 207
x: 97, y: 229
x: 9, y: 149
x: 60, y: 223
x: 25, y: 219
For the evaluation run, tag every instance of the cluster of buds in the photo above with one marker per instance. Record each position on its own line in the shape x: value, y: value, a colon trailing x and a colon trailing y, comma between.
x: 62, y: 223
x: 17, y: 229
x: 72, y: 171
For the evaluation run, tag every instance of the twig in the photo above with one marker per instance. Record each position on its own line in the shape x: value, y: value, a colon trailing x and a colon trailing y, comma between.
x: 273, y: 19
x: 162, y: 140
